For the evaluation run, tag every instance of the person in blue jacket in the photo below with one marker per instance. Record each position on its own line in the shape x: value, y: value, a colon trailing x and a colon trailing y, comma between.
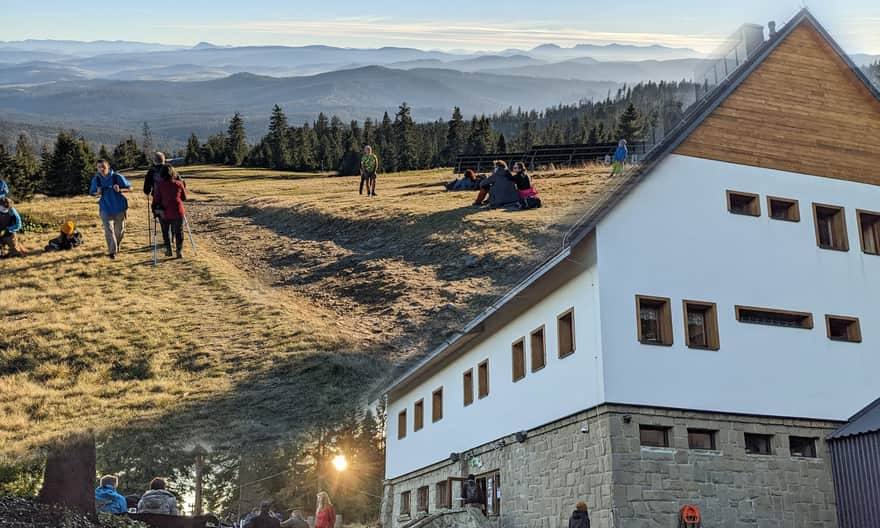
x: 110, y: 185
x: 619, y: 158
x: 4, y: 189
x: 10, y: 225
x: 107, y: 499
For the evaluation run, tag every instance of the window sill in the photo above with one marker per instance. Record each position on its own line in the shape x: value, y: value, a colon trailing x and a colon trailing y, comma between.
x: 838, y: 340
x: 706, y: 452
x: 563, y: 356
x: 792, y: 220
x: 657, y: 449
x: 753, y: 215
x: 651, y: 343
x: 759, y: 454
x: 842, y: 250
x: 871, y: 253
x: 710, y: 349
x: 806, y: 458
x: 539, y: 369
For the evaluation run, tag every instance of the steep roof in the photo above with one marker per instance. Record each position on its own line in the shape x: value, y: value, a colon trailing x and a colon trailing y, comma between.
x: 865, y: 421
x: 618, y: 188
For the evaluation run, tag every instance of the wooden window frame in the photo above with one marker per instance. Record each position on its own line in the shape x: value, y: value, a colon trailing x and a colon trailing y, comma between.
x: 660, y: 428
x: 482, y: 365
x: 756, y: 203
x: 401, y: 425
x: 568, y: 313
x: 467, y: 382
x: 713, y: 342
x: 808, y: 321
x: 769, y: 438
x: 437, y: 405
x: 839, y: 231
x: 666, y: 332
x: 811, y: 440
x: 793, y: 205
x: 863, y: 239
x: 442, y: 495
x: 543, y: 356
x: 423, y: 499
x: 406, y: 500
x: 518, y: 359
x: 713, y: 438
x: 419, y: 415
x: 854, y: 328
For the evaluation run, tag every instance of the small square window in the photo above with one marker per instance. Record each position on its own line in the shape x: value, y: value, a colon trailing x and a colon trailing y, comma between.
x: 538, y: 350
x: 437, y: 405
x: 422, y: 499
x: 743, y: 203
x: 401, y: 425
x: 654, y: 436
x: 800, y: 446
x: 783, y: 209
x: 483, y: 379
x: 701, y: 325
x: 565, y: 327
x: 654, y: 320
x: 419, y: 415
x: 701, y: 439
x: 759, y: 444
x: 869, y: 231
x: 518, y: 359
x: 830, y: 227
x: 405, y: 503
x: 468, y: 384
x: 842, y: 328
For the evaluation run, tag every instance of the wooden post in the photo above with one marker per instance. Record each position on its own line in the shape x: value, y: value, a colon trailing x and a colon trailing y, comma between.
x: 199, y: 452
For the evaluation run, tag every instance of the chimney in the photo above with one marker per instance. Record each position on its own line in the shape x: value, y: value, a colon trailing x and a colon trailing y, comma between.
x: 772, y: 27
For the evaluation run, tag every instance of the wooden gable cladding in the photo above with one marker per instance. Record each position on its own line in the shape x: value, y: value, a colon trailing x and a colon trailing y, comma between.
x: 802, y: 110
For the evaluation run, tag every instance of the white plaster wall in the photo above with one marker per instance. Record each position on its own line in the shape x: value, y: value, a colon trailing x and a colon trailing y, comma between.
x: 673, y: 237
x: 563, y: 387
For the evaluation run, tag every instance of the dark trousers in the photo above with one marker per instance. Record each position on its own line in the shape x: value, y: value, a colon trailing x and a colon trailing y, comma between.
x: 176, y: 229
x: 370, y: 179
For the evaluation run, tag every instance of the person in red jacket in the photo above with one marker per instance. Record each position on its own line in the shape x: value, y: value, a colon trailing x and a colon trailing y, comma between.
x: 325, y: 515
x: 168, y: 197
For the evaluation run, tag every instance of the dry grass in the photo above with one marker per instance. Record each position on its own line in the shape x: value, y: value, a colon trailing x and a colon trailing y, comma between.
x: 302, y: 298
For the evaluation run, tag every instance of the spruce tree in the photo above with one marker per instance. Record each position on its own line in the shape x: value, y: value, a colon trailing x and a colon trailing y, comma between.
x: 629, y: 127
x: 127, y: 155
x: 404, y: 139
x: 25, y: 155
x: 22, y: 183
x: 455, y: 137
x: 148, y: 142
x: 501, y: 146
x: 309, y: 146
x: 386, y: 151
x: 279, y: 155
x: 70, y: 167
x: 369, y: 132
x: 193, y: 150
x: 236, y: 141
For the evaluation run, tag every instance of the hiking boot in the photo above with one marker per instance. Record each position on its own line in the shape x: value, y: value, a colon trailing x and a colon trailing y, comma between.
x: 112, y: 256
x: 168, y: 252
x: 179, y: 255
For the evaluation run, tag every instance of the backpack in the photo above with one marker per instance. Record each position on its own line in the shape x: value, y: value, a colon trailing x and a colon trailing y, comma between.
x: 532, y: 202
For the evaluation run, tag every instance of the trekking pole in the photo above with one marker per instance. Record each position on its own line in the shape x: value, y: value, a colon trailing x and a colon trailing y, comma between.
x: 149, y: 229
x: 191, y: 239
x: 155, y: 245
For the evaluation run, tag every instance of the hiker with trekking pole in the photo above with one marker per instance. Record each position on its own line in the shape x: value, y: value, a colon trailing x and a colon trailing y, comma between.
x: 166, y: 209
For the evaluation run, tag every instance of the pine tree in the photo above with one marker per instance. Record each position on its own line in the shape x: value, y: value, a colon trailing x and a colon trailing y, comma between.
x: 386, y: 151
x: 455, y: 137
x: 630, y: 127
x: 193, y: 150
x: 309, y: 149
x: 104, y: 154
x: 25, y: 155
x: 279, y: 155
x: 369, y: 132
x: 236, y: 141
x: 148, y: 142
x: 127, y: 154
x: 70, y: 167
x: 22, y: 183
x: 593, y: 137
x: 404, y: 139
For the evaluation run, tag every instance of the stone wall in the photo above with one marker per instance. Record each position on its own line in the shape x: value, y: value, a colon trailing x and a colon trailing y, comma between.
x: 626, y: 485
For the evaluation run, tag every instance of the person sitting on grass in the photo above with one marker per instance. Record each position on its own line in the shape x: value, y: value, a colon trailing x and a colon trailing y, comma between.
x: 158, y: 499
x: 500, y: 187
x: 10, y: 226
x: 265, y: 519
x: 468, y: 182
x: 168, y: 197
x: 68, y: 239
x: 296, y: 521
x: 528, y: 196
x: 107, y: 499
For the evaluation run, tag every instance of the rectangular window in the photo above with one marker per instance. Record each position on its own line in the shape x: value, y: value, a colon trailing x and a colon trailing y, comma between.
x: 419, y: 415
x: 442, y: 494
x: 841, y: 328
x: 759, y: 444
x: 538, y: 350
x: 483, y: 379
x: 743, y: 203
x: 800, y: 446
x: 401, y: 425
x: 770, y: 317
x: 422, y: 499
x: 468, y: 383
x: 783, y: 209
x: 518, y: 359
x: 565, y: 327
x: 869, y: 231
x: 830, y: 227
x: 701, y: 439
x: 654, y: 436
x: 654, y: 320
x: 404, y: 503
x: 437, y: 405
x: 701, y: 325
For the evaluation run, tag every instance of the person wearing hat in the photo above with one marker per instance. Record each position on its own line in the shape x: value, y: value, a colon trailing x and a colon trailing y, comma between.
x: 68, y: 239
x: 265, y: 519
x: 10, y: 225
x: 579, y: 518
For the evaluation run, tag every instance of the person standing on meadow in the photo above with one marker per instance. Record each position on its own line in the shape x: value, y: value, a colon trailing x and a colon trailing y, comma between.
x: 168, y: 197
x: 325, y: 514
x: 110, y: 185
x: 369, y: 169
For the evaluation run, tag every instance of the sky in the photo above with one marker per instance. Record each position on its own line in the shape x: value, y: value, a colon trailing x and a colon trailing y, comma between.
x: 473, y: 25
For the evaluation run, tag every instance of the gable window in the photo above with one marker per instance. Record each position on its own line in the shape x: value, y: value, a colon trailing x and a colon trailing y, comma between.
x: 743, y: 203
x: 468, y: 384
x: 422, y: 499
x: 565, y: 328
x: 404, y: 503
x: 437, y: 405
x: 654, y: 436
x: 655, y: 320
x: 770, y: 317
x: 483, y: 379
x: 800, y: 446
x: 701, y: 325
x: 841, y: 328
x: 518, y: 351
x: 759, y: 444
x: 538, y: 350
x: 419, y: 415
x: 701, y: 439
x: 401, y: 425
x: 869, y: 231
x: 442, y: 491
x: 830, y: 227
x: 783, y: 209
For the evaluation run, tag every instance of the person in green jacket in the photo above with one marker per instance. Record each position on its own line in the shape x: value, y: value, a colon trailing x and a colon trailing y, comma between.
x: 369, y: 168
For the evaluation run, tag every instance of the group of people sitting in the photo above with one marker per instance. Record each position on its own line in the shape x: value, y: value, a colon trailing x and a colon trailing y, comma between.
x: 503, y: 188
x: 156, y: 500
